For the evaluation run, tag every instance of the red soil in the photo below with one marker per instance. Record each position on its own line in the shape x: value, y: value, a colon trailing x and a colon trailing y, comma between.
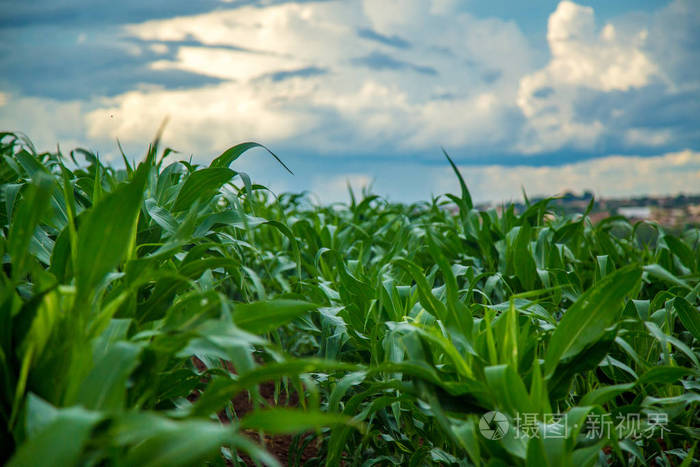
x: 277, y: 445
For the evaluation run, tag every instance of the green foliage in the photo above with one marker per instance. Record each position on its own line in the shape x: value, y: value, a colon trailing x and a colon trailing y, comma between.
x: 140, y: 307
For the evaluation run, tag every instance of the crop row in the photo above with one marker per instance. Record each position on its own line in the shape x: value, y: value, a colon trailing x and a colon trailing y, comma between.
x: 144, y: 310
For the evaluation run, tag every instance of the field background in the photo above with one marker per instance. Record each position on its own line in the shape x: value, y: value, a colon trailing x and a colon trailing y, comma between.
x: 183, y: 314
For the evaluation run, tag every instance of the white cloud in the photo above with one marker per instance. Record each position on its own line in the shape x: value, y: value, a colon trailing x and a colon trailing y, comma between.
x: 613, y: 176
x: 454, y: 80
x: 201, y: 121
x: 227, y: 64
x: 302, y: 31
x: 47, y: 122
x: 455, y: 84
x: 440, y: 7
x: 652, y: 138
x: 582, y: 60
x: 159, y: 48
x: 582, y: 56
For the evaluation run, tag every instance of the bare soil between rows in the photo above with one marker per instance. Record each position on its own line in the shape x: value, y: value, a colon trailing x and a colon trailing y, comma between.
x: 278, y: 445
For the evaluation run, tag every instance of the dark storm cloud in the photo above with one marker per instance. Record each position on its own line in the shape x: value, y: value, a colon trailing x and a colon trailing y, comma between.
x: 21, y: 13
x: 68, y: 50
x: 380, y: 61
x: 674, y: 41
x: 57, y: 64
x: 491, y: 76
x: 393, y: 41
x: 192, y: 42
x: 630, y: 108
x: 300, y: 73
x: 649, y: 108
x: 543, y: 93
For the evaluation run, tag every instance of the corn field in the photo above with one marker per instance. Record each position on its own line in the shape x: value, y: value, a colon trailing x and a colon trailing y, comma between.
x: 143, y: 310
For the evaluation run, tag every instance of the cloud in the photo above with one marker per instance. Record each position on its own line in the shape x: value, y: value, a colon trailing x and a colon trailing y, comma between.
x: 310, y: 61
x: 581, y: 58
x: 409, y: 180
x: 19, y: 13
x: 335, y: 189
x: 650, y: 138
x: 612, y: 176
x: 202, y: 121
x: 379, y: 61
x: 383, y: 84
x: 674, y: 42
x: 46, y: 121
x: 603, y: 87
x: 393, y: 41
x: 409, y: 77
x: 226, y: 63
x: 300, y: 73
x: 300, y: 30
x: 56, y: 64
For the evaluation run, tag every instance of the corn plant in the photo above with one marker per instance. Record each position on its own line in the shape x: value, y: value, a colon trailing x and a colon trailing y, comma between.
x: 139, y: 304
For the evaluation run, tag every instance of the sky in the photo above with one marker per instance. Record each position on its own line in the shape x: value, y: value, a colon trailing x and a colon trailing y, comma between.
x: 541, y: 95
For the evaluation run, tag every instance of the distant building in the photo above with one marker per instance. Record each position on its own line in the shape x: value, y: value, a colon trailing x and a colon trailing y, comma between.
x: 635, y: 212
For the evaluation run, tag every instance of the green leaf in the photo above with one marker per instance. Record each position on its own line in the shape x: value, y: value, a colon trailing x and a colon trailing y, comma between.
x: 106, y: 232
x: 201, y: 185
x: 523, y: 262
x: 536, y: 455
x: 658, y: 271
x: 287, y: 421
x: 585, y: 321
x: 30, y: 163
x: 466, y: 196
x: 157, y: 441
x: 34, y: 202
x: 292, y: 240
x: 161, y: 216
x: 105, y: 386
x: 59, y: 441
x: 221, y: 390
x: 604, y: 394
x: 681, y: 250
x: 264, y: 316
x: 427, y: 299
x: 508, y: 389
x: 689, y: 316
x: 664, y: 374
x: 233, y: 153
